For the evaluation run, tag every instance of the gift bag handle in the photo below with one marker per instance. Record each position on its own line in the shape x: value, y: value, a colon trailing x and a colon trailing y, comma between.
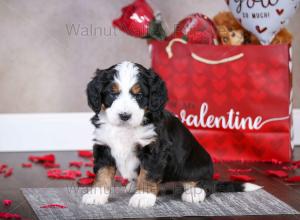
x: 198, y: 58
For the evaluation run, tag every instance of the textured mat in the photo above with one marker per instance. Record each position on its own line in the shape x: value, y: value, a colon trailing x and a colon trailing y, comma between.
x: 220, y: 204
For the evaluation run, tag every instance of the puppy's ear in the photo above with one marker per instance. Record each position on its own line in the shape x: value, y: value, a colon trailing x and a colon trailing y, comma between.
x: 158, y: 96
x: 94, y: 89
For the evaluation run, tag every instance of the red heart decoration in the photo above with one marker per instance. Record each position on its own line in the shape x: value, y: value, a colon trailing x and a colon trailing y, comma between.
x: 279, y: 11
x: 219, y: 85
x: 219, y: 99
x: 180, y: 64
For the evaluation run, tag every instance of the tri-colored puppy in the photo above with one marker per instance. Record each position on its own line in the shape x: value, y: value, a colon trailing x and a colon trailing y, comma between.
x: 148, y: 145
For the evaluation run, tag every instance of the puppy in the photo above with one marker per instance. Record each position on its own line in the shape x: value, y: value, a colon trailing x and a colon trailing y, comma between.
x: 148, y: 145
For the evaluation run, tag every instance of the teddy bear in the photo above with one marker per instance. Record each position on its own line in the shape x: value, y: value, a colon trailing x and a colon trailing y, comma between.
x: 232, y: 33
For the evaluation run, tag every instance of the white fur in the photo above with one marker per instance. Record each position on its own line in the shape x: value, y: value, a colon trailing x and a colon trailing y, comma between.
x: 126, y: 77
x: 122, y: 141
x: 96, y: 196
x: 193, y: 195
x: 251, y: 187
x: 142, y: 200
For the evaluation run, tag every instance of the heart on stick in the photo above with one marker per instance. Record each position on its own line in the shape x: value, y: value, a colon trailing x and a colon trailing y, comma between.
x: 263, y: 18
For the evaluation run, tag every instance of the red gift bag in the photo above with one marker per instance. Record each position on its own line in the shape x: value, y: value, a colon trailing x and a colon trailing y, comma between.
x: 236, y: 100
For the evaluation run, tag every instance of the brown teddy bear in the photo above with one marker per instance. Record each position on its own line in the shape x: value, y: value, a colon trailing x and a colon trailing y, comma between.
x: 232, y: 33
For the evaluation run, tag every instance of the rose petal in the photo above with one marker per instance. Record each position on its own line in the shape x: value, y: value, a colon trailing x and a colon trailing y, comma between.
x: 89, y: 164
x: 53, y: 206
x: 118, y: 178
x: 243, y: 178
x: 124, y: 182
x: 26, y: 165
x: 216, y: 176
x: 77, y: 164
x: 121, y: 180
x: 90, y: 174
x: 277, y: 173
x: 293, y: 167
x: 7, y: 202
x: 8, y: 172
x: 293, y: 179
x: 85, y: 181
x: 297, y: 163
x: 63, y: 174
x: 51, y: 165
x: 273, y: 161
x: 2, y: 168
x: 42, y: 159
x: 7, y: 215
x: 239, y: 170
x: 85, y: 153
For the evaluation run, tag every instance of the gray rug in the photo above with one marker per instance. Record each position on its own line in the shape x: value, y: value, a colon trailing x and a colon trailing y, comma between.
x: 220, y: 204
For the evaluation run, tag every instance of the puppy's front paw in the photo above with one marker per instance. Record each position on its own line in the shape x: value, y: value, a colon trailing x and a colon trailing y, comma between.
x: 193, y: 195
x: 142, y: 200
x: 96, y: 196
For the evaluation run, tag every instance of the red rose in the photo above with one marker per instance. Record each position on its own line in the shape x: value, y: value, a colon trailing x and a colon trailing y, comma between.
x: 196, y: 28
x: 138, y: 20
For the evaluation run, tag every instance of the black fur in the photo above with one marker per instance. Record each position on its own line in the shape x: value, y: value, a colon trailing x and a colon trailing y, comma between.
x: 97, y: 87
x: 102, y: 157
x: 175, y: 155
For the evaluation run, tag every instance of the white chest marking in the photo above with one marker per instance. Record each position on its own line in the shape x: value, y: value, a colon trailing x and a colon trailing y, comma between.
x: 123, y: 141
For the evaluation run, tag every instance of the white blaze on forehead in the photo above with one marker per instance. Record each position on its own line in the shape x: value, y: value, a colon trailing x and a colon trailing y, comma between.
x: 126, y: 76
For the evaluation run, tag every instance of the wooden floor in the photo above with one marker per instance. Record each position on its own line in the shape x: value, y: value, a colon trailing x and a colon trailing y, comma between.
x: 36, y: 177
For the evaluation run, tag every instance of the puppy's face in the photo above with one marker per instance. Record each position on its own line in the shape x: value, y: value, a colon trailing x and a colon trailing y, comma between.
x: 125, y: 93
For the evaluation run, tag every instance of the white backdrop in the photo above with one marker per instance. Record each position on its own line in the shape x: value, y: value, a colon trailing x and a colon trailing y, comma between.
x: 60, y: 131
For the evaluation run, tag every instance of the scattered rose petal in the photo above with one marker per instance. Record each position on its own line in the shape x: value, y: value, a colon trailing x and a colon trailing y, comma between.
x: 124, y: 182
x: 216, y: 176
x: 9, y: 172
x: 26, y: 165
x: 85, y: 153
x: 42, y: 159
x: 118, y: 178
x: 240, y: 170
x: 51, y: 165
x: 90, y: 174
x: 243, y: 178
x: 296, y: 163
x: 77, y: 164
x: 85, y: 181
x: 53, y: 206
x: 292, y: 167
x: 2, y: 168
x: 63, y: 174
x: 6, y: 202
x: 121, y: 180
x: 7, y: 215
x: 89, y: 164
x: 277, y: 173
x: 293, y: 179
x: 273, y: 161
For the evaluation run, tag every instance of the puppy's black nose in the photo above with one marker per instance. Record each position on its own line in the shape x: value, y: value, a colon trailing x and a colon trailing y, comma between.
x: 124, y: 116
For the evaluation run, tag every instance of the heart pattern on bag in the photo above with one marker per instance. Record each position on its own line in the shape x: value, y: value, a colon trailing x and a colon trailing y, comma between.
x: 248, y: 87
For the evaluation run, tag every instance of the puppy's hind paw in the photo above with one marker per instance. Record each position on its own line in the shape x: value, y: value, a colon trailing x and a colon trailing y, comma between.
x: 193, y: 195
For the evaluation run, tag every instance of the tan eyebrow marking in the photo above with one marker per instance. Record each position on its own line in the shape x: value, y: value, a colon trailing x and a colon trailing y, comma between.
x: 115, y: 88
x: 135, y: 89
